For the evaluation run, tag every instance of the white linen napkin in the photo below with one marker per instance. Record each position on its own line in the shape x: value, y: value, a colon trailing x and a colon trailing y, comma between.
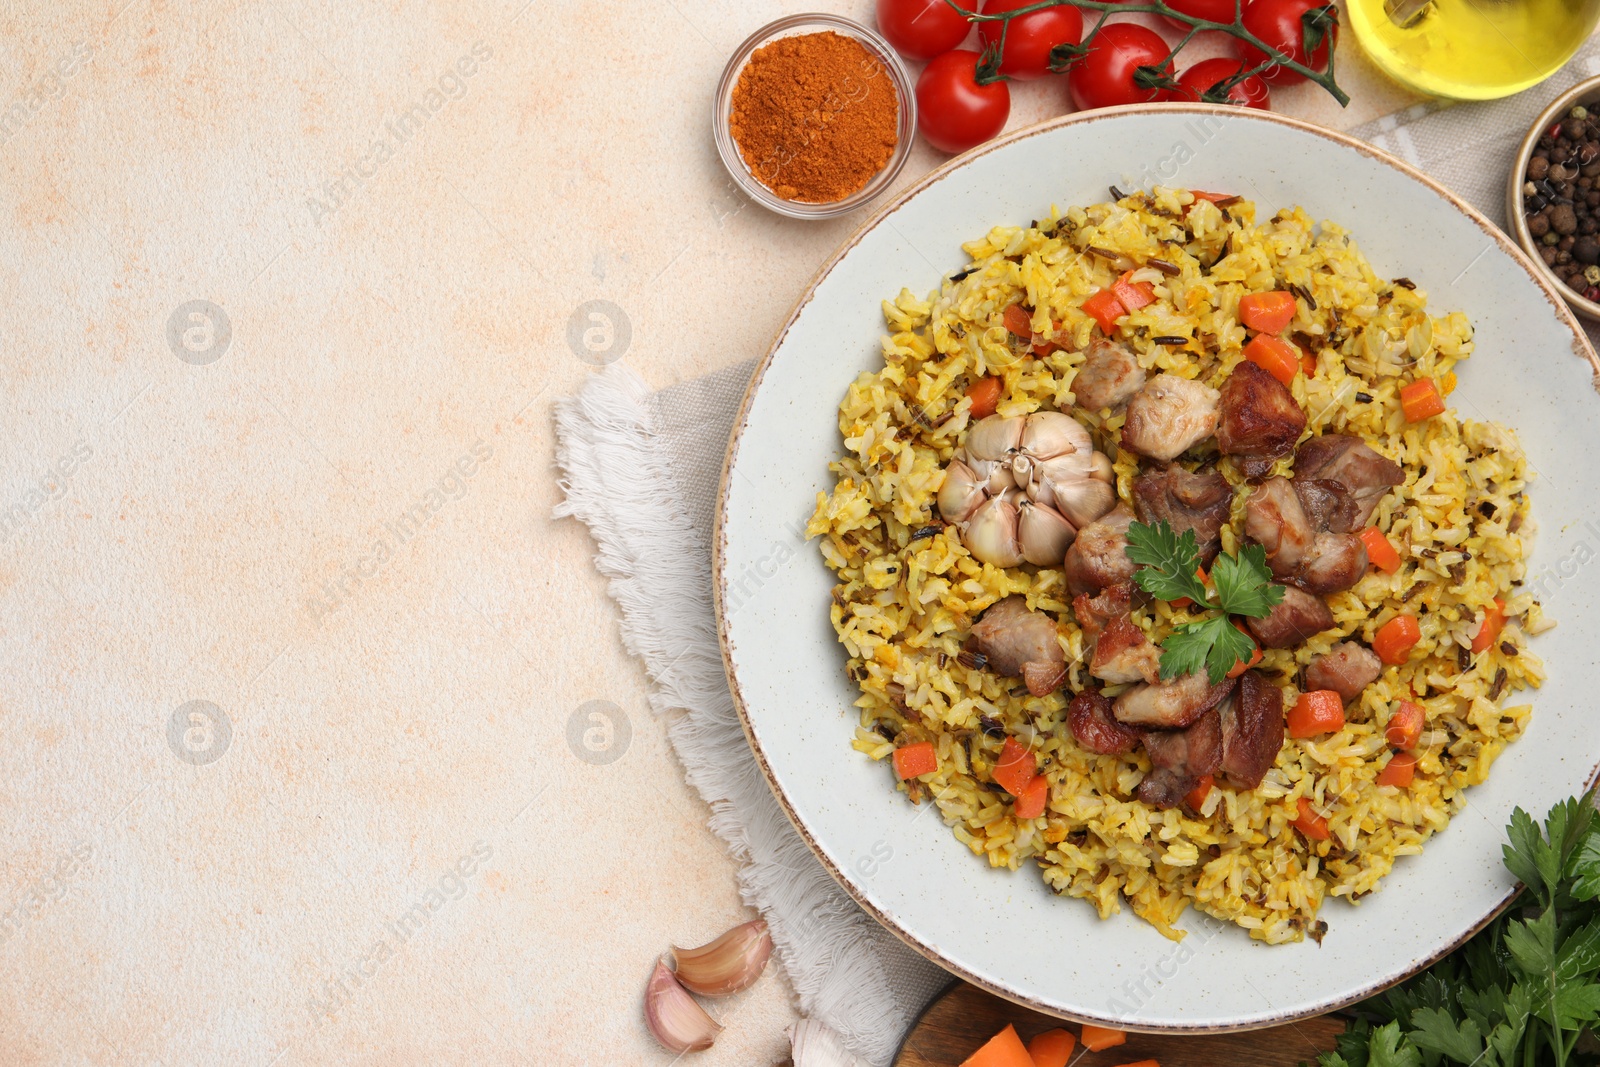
x: 641, y: 470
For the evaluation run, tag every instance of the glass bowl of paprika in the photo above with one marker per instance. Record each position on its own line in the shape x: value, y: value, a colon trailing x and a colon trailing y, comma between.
x: 815, y: 115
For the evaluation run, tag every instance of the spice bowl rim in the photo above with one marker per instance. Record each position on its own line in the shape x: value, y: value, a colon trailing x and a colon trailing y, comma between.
x: 728, y: 150
x: 1585, y: 92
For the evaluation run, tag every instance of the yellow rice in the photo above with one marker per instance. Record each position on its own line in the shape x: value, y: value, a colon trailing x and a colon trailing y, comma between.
x: 903, y: 607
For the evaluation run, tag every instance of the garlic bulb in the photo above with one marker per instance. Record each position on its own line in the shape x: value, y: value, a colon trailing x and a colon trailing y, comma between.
x: 813, y: 1045
x: 676, y: 1020
x: 730, y: 963
x: 1022, y: 486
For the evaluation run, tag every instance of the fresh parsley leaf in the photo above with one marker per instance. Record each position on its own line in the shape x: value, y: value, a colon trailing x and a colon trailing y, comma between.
x: 1529, y: 856
x: 1244, y: 585
x: 1213, y: 643
x: 1171, y: 562
x: 1389, y: 1048
x: 1433, y: 1030
x: 1586, y: 869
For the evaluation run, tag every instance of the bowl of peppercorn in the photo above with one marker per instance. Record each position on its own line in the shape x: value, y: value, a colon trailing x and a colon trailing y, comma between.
x: 1553, y: 198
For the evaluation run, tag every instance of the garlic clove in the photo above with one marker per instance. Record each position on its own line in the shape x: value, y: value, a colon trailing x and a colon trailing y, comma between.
x: 1083, y: 500
x: 730, y: 963
x: 961, y: 492
x: 994, y: 438
x: 676, y: 1020
x: 1043, y: 534
x: 813, y: 1045
x: 1047, y: 434
x: 991, y: 533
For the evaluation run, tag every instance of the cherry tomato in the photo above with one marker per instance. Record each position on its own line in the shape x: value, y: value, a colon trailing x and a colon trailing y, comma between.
x: 1104, y: 77
x: 1210, y: 10
x: 1193, y: 83
x: 922, y: 29
x: 1278, y: 23
x: 1030, y: 37
x: 954, y: 112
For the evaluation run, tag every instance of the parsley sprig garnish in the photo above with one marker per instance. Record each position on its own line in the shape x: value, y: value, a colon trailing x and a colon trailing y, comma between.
x: 1171, y: 571
x: 1524, y: 990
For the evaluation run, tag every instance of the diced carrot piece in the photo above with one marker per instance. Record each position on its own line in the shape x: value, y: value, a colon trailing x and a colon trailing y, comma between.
x: 1016, y: 767
x: 1405, y: 725
x: 1197, y: 796
x: 1274, y: 355
x: 1104, y: 307
x: 1131, y: 294
x: 1241, y: 666
x: 1100, y: 1038
x: 1320, y: 711
x: 913, y: 760
x: 1030, y: 802
x: 1399, y: 771
x: 1421, y: 400
x: 1308, y: 364
x: 1200, y: 194
x: 985, y: 396
x: 1311, y: 824
x: 1494, y: 620
x: 1018, y: 321
x: 1380, y: 550
x: 1004, y: 1049
x: 1053, y: 1048
x: 1267, y: 312
x: 1396, y: 638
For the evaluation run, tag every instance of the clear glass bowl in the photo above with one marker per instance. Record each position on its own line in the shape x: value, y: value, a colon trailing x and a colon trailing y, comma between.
x: 789, y: 27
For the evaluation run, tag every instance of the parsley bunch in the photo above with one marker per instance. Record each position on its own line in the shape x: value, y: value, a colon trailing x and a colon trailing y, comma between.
x: 1526, y: 989
x: 1171, y: 571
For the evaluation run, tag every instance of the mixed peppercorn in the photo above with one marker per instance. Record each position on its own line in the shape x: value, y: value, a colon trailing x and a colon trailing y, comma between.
x: 1561, y: 198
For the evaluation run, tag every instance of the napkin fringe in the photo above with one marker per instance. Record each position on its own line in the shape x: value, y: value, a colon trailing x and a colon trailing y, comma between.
x: 616, y: 481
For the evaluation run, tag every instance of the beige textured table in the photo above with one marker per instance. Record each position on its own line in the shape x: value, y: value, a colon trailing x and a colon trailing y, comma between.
x: 287, y: 294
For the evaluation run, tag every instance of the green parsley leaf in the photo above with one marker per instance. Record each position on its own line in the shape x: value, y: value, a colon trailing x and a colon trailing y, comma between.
x: 1433, y: 1030
x: 1170, y: 562
x: 1214, y: 643
x: 1389, y: 1048
x: 1244, y: 585
x: 1586, y: 869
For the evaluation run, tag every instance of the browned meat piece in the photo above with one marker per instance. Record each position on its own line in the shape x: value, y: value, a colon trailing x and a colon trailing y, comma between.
x: 1089, y: 716
x: 1337, y: 561
x: 1297, y: 617
x: 1123, y: 654
x: 1361, y: 474
x: 1169, y: 415
x: 1347, y: 668
x: 1110, y: 375
x: 1252, y: 730
x: 1324, y: 502
x: 1198, y: 502
x: 1170, y: 705
x: 1019, y: 642
x: 1099, y: 556
x: 1259, y: 418
x: 1178, y: 759
x: 1093, y: 612
x: 1274, y: 519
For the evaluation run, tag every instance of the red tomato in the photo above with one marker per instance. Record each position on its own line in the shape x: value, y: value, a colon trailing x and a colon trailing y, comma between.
x: 1210, y: 10
x: 1252, y: 92
x: 1104, y: 77
x: 922, y: 29
x: 1278, y: 23
x: 1030, y: 38
x: 954, y: 112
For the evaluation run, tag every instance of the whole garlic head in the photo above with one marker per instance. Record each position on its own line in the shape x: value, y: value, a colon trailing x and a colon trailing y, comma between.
x: 1022, y: 486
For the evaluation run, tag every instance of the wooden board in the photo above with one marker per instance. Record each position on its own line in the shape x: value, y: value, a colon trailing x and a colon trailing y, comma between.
x: 964, y: 1017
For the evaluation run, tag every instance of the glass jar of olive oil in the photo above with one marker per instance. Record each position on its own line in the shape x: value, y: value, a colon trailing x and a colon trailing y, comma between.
x: 1472, y: 49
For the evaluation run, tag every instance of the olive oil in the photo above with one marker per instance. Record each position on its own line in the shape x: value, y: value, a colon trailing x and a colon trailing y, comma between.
x: 1472, y: 49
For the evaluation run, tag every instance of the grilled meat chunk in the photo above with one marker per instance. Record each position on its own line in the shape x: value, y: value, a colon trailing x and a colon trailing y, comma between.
x: 1089, y: 717
x: 1252, y: 730
x: 1099, y: 556
x: 1179, y: 758
x: 1361, y: 475
x: 1347, y: 668
x: 1109, y: 377
x: 1259, y: 418
x: 1170, y: 705
x: 1198, y: 502
x: 1019, y: 642
x: 1299, y: 616
x: 1168, y: 415
x: 1123, y: 654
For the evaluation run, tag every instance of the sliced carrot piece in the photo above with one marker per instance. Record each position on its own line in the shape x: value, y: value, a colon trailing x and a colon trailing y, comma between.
x: 1267, y: 312
x: 1308, y: 364
x: 1131, y: 294
x: 1197, y: 796
x: 1399, y: 771
x: 1396, y: 638
x: 985, y: 396
x: 1494, y: 620
x: 1274, y: 355
x: 1314, y: 826
x: 1016, y: 767
x: 1004, y: 1049
x: 1380, y: 550
x: 1104, y: 307
x: 1018, y: 321
x: 1320, y: 711
x: 1053, y: 1048
x: 913, y: 760
x: 1421, y: 400
x: 1100, y: 1038
x: 1030, y: 802
x: 1404, y: 729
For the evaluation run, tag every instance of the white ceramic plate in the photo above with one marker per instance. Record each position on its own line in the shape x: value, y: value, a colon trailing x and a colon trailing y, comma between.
x: 1006, y: 931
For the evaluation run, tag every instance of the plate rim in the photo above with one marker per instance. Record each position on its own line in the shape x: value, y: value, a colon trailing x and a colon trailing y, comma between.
x: 1580, y: 347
